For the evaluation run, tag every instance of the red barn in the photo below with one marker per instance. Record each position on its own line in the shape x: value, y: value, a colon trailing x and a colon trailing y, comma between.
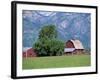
x: 29, y: 52
x: 73, y: 47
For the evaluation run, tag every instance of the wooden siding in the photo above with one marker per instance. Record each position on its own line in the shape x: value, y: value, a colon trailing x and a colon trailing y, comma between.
x: 69, y: 44
x: 29, y: 53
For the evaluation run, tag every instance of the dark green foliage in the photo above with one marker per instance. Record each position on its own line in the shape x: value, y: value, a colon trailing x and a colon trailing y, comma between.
x: 49, y: 47
x: 48, y: 31
x: 48, y: 44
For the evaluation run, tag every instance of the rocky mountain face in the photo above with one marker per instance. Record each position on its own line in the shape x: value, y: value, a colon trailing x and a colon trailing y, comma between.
x: 69, y: 25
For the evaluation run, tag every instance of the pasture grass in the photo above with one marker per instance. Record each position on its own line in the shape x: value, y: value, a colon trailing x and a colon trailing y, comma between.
x: 56, y: 62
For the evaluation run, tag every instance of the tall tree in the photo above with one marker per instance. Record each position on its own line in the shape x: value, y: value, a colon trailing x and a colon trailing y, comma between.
x: 48, y: 31
x: 47, y: 43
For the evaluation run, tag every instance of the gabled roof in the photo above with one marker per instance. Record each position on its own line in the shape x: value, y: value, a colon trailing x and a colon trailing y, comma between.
x: 69, y: 49
x: 26, y: 48
x: 77, y: 44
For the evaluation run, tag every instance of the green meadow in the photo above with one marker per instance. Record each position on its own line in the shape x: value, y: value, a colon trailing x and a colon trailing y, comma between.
x: 56, y: 62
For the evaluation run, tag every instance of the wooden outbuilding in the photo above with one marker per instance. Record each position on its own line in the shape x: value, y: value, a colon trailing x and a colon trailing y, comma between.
x: 74, y: 47
x: 29, y: 52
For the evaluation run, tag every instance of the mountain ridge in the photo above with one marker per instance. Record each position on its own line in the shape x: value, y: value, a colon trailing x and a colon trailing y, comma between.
x: 69, y: 25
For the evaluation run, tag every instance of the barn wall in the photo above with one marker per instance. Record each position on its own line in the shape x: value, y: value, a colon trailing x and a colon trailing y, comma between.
x: 79, y: 51
x: 24, y: 54
x: 69, y: 44
x: 30, y: 53
x: 68, y: 53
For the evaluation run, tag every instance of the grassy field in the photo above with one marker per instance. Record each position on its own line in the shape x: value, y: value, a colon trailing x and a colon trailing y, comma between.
x: 56, y: 61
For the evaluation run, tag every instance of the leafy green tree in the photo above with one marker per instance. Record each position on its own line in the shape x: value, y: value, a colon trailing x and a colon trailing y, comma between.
x: 56, y: 47
x: 48, y: 31
x: 47, y: 43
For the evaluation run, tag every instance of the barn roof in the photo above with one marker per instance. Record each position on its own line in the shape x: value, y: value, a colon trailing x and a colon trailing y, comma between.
x: 69, y: 49
x: 77, y: 44
x: 26, y: 48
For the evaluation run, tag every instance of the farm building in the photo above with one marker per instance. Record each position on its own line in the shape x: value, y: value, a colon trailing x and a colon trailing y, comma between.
x: 29, y: 52
x: 73, y: 47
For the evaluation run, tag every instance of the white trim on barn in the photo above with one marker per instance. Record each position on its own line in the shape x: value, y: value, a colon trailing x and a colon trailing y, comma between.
x: 69, y: 49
